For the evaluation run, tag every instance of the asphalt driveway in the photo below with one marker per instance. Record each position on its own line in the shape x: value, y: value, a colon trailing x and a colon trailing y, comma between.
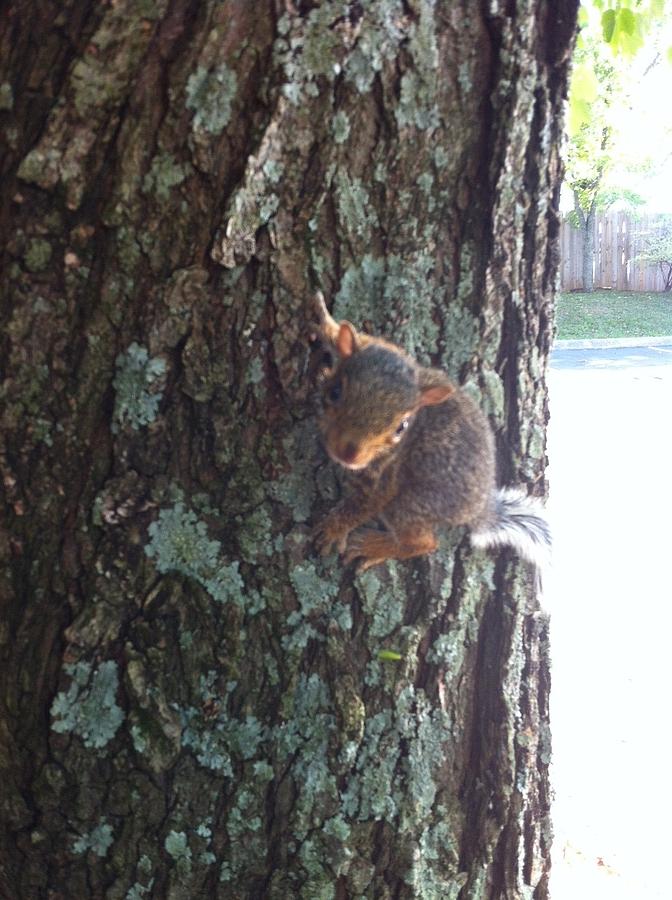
x: 610, y: 449
x: 617, y: 357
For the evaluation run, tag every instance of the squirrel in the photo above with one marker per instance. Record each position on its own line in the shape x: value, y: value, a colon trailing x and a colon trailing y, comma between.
x: 421, y: 452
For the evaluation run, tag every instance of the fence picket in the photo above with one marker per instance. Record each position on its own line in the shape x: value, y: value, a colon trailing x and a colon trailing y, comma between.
x: 619, y: 238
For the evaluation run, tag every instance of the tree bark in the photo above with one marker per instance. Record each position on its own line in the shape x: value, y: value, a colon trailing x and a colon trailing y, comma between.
x: 194, y: 704
x: 589, y: 251
x: 587, y: 225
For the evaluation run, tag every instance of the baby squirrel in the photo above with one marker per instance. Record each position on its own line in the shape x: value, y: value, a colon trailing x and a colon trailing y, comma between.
x: 422, y: 454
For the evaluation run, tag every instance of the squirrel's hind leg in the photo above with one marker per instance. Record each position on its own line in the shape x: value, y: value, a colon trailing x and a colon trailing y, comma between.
x: 373, y: 547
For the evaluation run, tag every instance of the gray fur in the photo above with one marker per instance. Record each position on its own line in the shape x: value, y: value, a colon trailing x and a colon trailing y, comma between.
x: 518, y: 521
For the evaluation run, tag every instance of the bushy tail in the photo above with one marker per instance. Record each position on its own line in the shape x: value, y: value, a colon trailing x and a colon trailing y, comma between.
x: 518, y: 522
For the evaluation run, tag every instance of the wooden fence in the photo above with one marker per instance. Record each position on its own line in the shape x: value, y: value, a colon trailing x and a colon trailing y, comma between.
x: 619, y: 238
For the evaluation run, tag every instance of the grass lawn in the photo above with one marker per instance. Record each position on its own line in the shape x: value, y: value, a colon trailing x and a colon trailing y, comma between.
x: 610, y: 314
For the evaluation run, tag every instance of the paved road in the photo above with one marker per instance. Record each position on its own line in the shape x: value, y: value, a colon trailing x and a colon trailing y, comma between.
x: 610, y: 449
x: 613, y: 357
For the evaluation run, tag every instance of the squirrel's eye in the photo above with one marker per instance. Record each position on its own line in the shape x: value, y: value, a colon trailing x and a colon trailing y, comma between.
x: 401, y: 428
x: 334, y: 392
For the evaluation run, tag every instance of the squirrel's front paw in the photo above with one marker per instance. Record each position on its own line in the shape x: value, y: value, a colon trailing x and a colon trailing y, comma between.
x: 371, y: 547
x: 330, y: 532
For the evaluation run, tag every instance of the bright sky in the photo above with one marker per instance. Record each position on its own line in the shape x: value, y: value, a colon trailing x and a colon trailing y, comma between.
x: 644, y: 129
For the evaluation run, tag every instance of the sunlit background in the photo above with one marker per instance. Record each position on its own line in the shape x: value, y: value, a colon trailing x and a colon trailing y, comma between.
x: 610, y: 597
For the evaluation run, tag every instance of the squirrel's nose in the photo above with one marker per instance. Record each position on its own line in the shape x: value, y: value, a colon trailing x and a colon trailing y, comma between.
x: 348, y: 452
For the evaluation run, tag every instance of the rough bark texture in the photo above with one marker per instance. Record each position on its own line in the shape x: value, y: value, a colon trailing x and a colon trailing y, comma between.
x: 587, y: 225
x: 193, y: 704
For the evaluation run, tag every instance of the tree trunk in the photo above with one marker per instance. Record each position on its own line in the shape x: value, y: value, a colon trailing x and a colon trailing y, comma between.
x: 195, y: 704
x: 586, y: 220
x: 589, y: 251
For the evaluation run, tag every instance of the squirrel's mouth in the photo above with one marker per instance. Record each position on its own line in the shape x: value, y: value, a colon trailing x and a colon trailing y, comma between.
x: 354, y: 465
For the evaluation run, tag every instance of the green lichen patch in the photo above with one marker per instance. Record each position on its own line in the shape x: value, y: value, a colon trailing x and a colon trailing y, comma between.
x: 98, y: 841
x: 216, y: 738
x: 273, y: 170
x: 369, y: 791
x: 247, y: 840
x: 354, y: 206
x: 384, y: 26
x: 246, y: 852
x: 395, y: 775
x: 308, y: 47
x: 89, y: 708
x: 415, y: 107
x: 137, y: 891
x: 210, y: 95
x: 138, y: 385
x: 177, y: 847
x: 252, y: 205
x: 304, y: 739
x: 254, y: 534
x: 450, y: 649
x: 417, y: 102
x: 164, y: 174
x: 492, y: 394
x: 384, y: 601
x: 32, y: 167
x: 37, y: 255
x: 461, y: 329
x: 340, y: 127
x: 427, y: 732
x: 441, y: 156
x: 434, y: 873
x: 315, y: 596
x: 179, y: 542
x: 296, y: 488
x: 395, y: 295
x: 6, y: 96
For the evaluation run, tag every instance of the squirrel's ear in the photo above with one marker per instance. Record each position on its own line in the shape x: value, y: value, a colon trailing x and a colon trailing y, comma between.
x: 435, y: 387
x: 346, y: 342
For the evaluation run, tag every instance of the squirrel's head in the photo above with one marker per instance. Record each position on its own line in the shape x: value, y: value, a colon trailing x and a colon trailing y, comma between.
x: 372, y: 397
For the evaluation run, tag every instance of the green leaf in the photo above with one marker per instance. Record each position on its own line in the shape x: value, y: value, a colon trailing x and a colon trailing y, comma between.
x: 626, y: 20
x: 608, y: 24
x: 629, y: 44
x: 585, y: 85
x: 579, y: 114
x: 669, y: 55
x: 389, y: 656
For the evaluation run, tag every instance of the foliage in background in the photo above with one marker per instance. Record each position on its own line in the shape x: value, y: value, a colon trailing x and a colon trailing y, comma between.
x: 658, y: 250
x: 625, y: 24
x: 622, y: 26
x: 599, y: 85
x: 603, y: 75
x: 606, y: 197
x: 589, y: 150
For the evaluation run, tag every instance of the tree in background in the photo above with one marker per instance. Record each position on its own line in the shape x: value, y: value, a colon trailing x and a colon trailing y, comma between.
x: 194, y: 703
x: 658, y: 250
x: 597, y: 82
x: 603, y: 73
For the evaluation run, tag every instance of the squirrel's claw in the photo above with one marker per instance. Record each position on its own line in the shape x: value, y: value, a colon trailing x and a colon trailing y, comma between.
x: 370, y: 546
x: 330, y: 532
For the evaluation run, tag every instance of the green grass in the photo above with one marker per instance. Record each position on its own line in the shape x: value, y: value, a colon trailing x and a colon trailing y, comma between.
x: 610, y: 314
